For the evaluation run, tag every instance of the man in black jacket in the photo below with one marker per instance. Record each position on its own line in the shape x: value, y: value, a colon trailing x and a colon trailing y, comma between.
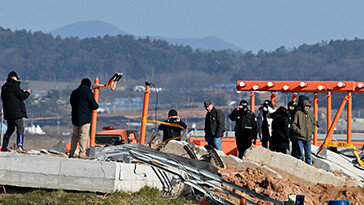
x: 14, y: 110
x: 82, y: 103
x: 245, y: 127
x: 214, y: 125
x: 170, y: 132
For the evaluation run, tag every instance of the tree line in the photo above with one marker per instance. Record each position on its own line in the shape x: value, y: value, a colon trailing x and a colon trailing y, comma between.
x: 178, y: 68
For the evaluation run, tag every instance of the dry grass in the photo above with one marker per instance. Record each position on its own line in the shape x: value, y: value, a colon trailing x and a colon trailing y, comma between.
x: 146, y: 195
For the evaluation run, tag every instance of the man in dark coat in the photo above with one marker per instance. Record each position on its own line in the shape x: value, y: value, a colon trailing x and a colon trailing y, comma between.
x: 14, y: 110
x: 279, y: 142
x: 245, y: 127
x: 292, y: 108
x: 82, y: 103
x: 170, y: 132
x: 214, y: 125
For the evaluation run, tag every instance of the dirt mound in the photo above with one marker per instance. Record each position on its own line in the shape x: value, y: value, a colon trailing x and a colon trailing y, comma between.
x: 261, y: 182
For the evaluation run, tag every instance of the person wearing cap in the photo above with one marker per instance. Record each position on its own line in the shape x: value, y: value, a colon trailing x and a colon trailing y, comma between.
x: 266, y: 110
x: 304, y: 124
x: 170, y: 132
x: 214, y: 125
x: 82, y: 103
x: 292, y: 108
x: 14, y: 110
x: 245, y: 127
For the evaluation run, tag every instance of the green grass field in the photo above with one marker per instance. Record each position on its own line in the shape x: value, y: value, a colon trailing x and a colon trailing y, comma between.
x: 54, y: 197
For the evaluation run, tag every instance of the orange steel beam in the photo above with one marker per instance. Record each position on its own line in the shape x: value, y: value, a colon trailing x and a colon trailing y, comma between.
x: 252, y: 102
x: 336, y: 119
x: 349, y: 117
x: 300, y: 86
x: 145, y: 113
x: 273, y: 98
x: 294, y: 97
x: 328, y: 110
x: 94, y: 114
x: 315, y: 110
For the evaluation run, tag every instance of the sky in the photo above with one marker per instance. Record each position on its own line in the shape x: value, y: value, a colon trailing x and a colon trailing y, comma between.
x: 249, y: 24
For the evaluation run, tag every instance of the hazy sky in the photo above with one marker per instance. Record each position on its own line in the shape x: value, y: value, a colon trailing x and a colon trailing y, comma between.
x: 251, y: 25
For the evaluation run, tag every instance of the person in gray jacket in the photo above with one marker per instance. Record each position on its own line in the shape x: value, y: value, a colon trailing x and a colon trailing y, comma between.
x: 304, y: 124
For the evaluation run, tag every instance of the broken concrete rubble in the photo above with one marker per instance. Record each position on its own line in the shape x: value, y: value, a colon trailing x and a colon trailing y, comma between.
x: 176, y: 147
x: 258, y: 157
x: 112, y: 175
x: 196, y: 174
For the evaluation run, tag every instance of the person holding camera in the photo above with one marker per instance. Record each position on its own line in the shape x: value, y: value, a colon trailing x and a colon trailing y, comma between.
x: 266, y: 110
x: 14, y: 110
x: 245, y: 127
x: 170, y: 132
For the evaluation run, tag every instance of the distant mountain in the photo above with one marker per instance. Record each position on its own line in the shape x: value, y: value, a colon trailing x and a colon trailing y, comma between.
x: 88, y: 29
x: 207, y: 43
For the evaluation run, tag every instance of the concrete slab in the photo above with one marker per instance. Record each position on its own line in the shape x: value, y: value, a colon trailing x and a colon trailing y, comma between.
x: 335, y: 162
x: 298, y: 168
x: 39, y: 171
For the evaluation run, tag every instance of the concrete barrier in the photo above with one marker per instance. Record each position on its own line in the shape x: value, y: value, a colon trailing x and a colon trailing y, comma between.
x: 39, y: 171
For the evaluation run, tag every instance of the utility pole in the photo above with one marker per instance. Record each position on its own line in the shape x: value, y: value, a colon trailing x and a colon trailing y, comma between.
x: 58, y: 122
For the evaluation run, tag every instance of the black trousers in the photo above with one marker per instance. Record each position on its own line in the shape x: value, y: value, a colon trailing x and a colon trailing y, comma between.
x: 242, y: 144
x: 279, y: 149
x: 18, y: 123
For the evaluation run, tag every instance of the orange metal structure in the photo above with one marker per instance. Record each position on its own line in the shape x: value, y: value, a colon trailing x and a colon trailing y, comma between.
x: 315, y: 111
x: 112, y: 84
x: 310, y: 86
x: 328, y: 108
x: 252, y: 102
x: 273, y: 98
x: 145, y: 113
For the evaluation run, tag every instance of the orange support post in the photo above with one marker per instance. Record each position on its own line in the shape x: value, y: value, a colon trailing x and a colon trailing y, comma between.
x: 252, y: 102
x: 332, y: 127
x: 145, y: 113
x: 315, y: 110
x: 273, y: 98
x: 349, y: 116
x: 243, y: 201
x: 328, y: 110
x: 294, y: 97
x: 94, y: 114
